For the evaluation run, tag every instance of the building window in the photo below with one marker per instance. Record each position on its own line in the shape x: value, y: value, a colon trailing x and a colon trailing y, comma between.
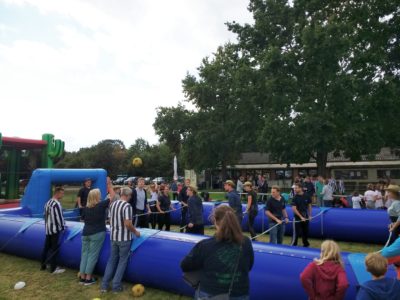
x: 283, y: 174
x: 351, y: 174
x: 393, y: 174
x: 307, y: 172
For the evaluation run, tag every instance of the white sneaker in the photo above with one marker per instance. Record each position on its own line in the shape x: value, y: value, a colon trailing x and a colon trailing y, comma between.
x: 58, y: 271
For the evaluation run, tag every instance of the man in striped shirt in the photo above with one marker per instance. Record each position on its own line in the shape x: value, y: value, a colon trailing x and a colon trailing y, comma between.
x: 54, y: 224
x: 121, y: 230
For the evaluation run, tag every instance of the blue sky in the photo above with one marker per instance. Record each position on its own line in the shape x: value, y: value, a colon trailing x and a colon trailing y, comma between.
x: 93, y: 70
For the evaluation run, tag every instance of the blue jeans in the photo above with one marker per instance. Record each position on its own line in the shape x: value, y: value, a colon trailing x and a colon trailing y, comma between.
x: 200, y: 295
x: 91, y: 246
x: 116, y: 265
x: 276, y: 234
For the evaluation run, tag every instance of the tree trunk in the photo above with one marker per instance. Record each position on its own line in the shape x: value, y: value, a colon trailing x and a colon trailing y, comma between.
x: 223, y: 171
x: 322, y: 159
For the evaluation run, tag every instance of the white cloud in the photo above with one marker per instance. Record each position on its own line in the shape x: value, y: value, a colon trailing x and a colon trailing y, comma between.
x: 108, y: 65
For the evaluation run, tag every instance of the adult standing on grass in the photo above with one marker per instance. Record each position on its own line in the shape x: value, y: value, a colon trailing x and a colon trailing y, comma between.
x: 277, y: 215
x: 54, y: 225
x: 223, y: 261
x: 319, y: 185
x: 140, y: 206
x: 393, y: 194
x: 94, y: 232
x: 174, y: 189
x: 183, y: 199
x: 121, y: 229
x: 164, y: 207
x: 327, y: 194
x: 83, y: 193
x: 370, y: 196
x: 234, y: 199
x: 252, y: 207
x: 195, y: 211
x: 301, y: 205
x: 153, y: 204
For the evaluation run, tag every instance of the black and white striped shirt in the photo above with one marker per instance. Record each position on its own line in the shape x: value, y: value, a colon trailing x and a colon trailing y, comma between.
x: 119, y: 212
x: 53, y: 217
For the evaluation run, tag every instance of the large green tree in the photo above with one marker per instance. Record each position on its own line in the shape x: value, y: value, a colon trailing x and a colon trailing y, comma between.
x: 107, y: 154
x: 328, y: 76
x: 223, y: 121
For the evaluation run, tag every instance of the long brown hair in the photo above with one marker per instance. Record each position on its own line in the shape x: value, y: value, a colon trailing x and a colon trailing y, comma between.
x: 229, y: 228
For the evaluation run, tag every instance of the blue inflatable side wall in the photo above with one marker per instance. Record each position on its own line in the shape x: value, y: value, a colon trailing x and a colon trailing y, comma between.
x: 344, y: 224
x: 38, y: 190
x: 156, y: 262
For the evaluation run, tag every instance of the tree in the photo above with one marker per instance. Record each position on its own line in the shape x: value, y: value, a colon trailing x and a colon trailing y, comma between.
x: 107, y: 154
x: 328, y: 76
x: 171, y: 125
x: 222, y: 124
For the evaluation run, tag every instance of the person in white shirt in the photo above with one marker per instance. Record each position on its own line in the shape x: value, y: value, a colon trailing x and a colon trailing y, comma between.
x: 369, y: 196
x: 239, y: 185
x: 357, y: 200
x: 327, y: 194
x: 378, y: 197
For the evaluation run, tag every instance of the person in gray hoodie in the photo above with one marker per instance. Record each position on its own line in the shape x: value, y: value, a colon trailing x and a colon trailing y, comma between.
x: 380, y: 287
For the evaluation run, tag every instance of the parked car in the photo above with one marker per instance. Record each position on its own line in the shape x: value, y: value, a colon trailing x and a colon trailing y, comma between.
x: 147, y: 180
x: 134, y: 179
x: 120, y: 180
x: 159, y: 180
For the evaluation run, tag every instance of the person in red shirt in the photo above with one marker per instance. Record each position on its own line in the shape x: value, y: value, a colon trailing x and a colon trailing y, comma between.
x: 325, y: 278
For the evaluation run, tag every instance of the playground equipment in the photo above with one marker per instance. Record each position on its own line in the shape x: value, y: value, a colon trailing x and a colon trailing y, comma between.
x: 156, y: 255
x: 51, y: 149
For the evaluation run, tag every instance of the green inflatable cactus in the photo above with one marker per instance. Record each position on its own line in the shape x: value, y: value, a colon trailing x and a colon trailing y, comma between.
x: 54, y: 149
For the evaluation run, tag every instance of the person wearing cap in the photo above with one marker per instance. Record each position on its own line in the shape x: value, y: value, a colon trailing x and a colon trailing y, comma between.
x: 195, y: 211
x: 234, y: 199
x: 393, y: 195
x: 81, y: 198
x: 252, y: 207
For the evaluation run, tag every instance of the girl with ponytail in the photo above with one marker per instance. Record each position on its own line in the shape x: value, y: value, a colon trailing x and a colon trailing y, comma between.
x: 222, y: 263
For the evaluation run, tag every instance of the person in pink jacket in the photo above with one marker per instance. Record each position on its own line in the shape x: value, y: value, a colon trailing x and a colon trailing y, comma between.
x: 325, y: 278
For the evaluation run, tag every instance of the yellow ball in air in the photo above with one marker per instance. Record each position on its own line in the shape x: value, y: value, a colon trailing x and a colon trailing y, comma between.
x: 137, y: 162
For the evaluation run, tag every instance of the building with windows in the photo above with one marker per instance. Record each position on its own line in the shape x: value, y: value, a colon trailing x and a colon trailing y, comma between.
x: 383, y: 166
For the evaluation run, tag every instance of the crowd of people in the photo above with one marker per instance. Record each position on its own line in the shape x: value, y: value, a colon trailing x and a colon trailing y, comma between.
x: 127, y: 208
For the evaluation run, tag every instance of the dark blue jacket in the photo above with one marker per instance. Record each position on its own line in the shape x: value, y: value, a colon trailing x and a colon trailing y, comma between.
x: 235, y: 203
x: 195, y: 209
x: 380, y: 289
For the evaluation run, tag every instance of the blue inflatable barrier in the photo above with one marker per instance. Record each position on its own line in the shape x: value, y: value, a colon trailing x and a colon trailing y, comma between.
x: 38, y: 190
x: 156, y: 261
x: 344, y: 224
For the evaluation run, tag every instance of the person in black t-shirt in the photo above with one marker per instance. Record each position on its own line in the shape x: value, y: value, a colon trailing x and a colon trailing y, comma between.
x: 252, y: 207
x: 275, y: 210
x: 223, y: 261
x: 163, y: 207
x: 83, y: 193
x: 301, y: 205
x: 94, y: 232
x: 183, y: 199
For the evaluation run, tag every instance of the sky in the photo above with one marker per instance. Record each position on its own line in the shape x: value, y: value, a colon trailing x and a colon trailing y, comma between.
x: 86, y: 71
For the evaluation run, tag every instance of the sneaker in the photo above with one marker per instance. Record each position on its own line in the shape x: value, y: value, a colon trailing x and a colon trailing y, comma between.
x: 90, y: 281
x: 82, y: 281
x: 58, y: 271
